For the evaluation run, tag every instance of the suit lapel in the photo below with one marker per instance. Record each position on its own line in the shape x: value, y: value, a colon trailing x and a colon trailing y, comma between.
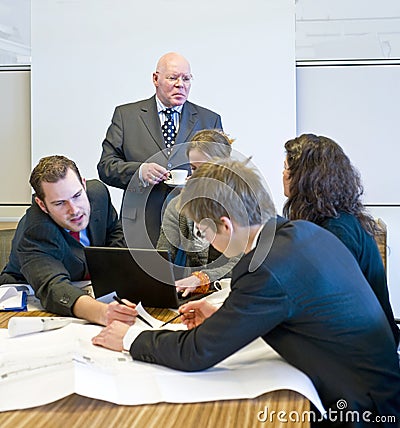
x: 93, y: 229
x: 187, y: 123
x: 149, y: 116
x: 186, y: 126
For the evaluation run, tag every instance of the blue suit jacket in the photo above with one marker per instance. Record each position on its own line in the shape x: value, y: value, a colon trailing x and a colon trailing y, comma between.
x: 309, y: 300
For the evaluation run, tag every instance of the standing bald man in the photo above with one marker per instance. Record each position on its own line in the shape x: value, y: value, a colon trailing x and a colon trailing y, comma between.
x: 135, y: 146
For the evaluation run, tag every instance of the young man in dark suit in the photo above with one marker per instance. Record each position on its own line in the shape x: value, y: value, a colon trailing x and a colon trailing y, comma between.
x: 135, y: 145
x: 297, y: 287
x: 45, y: 253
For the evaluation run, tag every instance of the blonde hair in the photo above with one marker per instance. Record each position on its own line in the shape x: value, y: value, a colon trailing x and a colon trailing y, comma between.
x: 213, y: 143
x: 227, y: 188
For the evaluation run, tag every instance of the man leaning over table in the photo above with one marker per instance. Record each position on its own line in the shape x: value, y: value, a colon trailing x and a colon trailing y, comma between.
x: 46, y: 255
x: 297, y: 287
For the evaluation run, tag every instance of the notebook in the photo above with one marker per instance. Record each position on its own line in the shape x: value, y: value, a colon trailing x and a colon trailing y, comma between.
x: 139, y: 275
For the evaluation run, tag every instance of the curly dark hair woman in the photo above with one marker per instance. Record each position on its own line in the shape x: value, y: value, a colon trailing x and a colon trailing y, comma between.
x: 322, y: 182
x: 323, y: 187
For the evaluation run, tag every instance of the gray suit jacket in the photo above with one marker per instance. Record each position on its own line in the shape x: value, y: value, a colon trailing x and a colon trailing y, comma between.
x: 310, y: 301
x: 44, y: 255
x: 134, y: 137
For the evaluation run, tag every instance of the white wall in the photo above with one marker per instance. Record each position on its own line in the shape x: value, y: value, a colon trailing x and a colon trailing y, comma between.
x: 348, y: 89
x: 15, y: 98
x: 342, y: 29
x: 357, y: 106
x: 89, y: 56
x: 391, y: 216
x: 15, y: 32
x: 14, y: 143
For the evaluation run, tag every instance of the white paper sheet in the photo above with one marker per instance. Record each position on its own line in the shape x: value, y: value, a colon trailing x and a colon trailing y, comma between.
x: 64, y: 362
x: 19, y: 287
x: 18, y: 326
x: 10, y: 298
x: 34, y: 303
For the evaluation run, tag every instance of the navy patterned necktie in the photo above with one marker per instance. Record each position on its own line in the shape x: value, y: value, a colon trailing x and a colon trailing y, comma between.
x: 169, y: 130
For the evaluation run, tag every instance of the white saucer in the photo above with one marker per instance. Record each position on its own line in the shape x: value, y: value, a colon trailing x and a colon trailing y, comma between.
x: 173, y: 184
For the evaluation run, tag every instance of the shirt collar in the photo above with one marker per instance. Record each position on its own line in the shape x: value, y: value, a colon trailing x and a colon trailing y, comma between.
x: 254, y: 243
x: 161, y: 107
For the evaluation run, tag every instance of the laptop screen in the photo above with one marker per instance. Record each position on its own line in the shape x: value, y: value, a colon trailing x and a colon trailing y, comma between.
x: 139, y: 275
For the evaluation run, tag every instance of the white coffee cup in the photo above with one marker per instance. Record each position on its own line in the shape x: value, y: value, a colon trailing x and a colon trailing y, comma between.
x: 178, y: 176
x: 222, y: 284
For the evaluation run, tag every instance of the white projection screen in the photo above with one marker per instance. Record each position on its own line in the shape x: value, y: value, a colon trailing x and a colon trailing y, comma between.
x: 90, y: 55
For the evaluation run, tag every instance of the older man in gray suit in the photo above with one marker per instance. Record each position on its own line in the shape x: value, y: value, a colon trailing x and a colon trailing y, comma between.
x: 135, y: 145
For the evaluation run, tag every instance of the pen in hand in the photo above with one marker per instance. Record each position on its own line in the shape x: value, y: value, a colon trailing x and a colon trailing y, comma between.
x: 174, y: 318
x: 121, y: 302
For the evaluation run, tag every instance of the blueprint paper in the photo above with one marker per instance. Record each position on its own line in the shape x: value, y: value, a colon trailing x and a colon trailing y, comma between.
x: 64, y: 362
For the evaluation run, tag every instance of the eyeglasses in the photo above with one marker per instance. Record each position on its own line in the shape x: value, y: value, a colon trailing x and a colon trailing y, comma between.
x: 202, y: 233
x: 186, y: 78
